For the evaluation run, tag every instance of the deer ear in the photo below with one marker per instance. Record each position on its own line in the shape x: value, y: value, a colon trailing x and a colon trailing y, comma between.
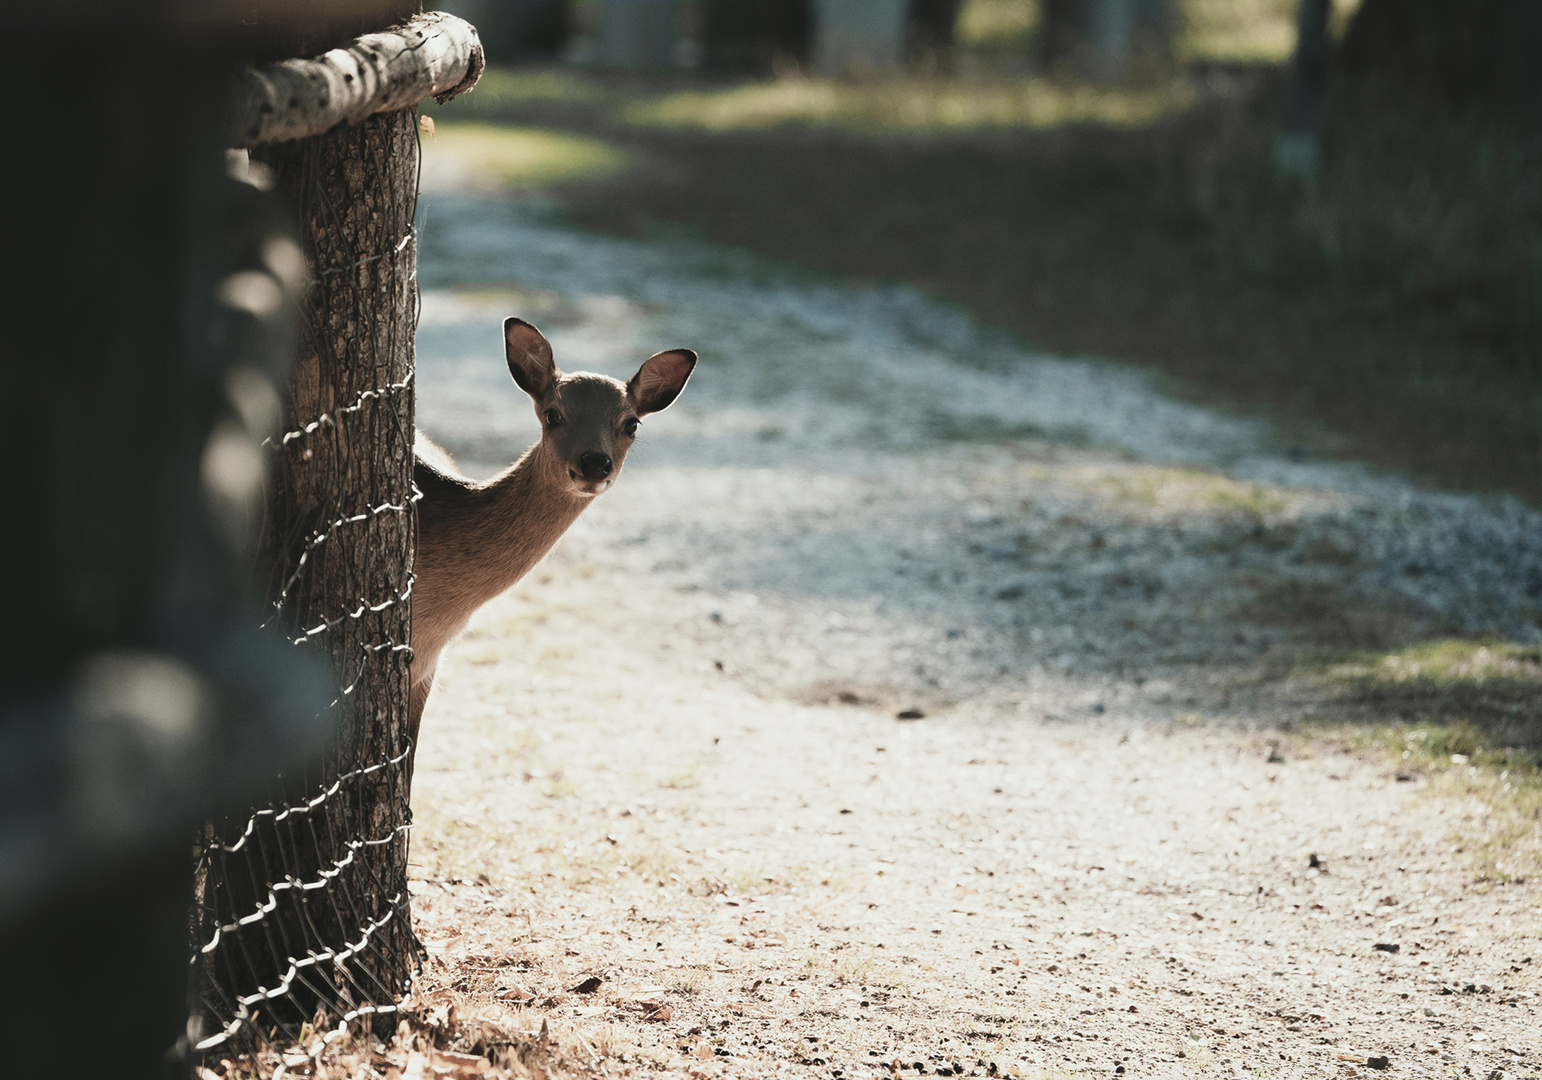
x: 661, y: 378
x: 529, y: 356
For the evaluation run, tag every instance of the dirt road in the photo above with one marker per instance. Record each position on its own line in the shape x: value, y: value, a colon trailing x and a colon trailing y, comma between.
x: 918, y: 705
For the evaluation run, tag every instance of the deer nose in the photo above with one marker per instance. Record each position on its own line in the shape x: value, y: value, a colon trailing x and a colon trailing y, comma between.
x: 595, y: 465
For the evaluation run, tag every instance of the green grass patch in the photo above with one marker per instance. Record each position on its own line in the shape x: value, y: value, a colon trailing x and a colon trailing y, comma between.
x: 525, y: 157
x: 996, y: 27
x: 907, y: 105
x: 1445, y: 662
x: 1493, y: 684
x: 1247, y: 31
x: 1181, y: 490
x: 902, y: 104
x: 1498, y: 782
x: 1237, y: 31
x: 1465, y: 716
x: 1225, y: 31
x: 506, y: 88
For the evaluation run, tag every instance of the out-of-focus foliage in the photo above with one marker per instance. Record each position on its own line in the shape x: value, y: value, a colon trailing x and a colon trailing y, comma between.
x: 1206, y: 30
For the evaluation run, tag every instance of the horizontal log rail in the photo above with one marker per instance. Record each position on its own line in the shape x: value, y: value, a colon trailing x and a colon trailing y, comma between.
x: 431, y: 55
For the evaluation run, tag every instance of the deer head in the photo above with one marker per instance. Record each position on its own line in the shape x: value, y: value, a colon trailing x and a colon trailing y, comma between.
x: 588, y: 421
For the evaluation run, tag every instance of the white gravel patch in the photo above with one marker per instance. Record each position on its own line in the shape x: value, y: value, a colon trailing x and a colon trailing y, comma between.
x: 875, y: 404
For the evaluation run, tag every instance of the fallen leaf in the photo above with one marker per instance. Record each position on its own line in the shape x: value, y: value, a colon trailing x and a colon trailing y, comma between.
x: 460, y: 1062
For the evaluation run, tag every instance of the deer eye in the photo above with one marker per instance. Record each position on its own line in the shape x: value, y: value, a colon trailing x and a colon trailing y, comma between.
x: 630, y: 428
x: 553, y: 418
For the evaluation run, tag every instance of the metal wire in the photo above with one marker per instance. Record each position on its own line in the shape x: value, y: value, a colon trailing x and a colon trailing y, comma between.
x: 301, y: 920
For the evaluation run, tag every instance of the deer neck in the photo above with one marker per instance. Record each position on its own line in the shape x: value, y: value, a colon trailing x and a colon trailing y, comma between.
x: 522, y: 513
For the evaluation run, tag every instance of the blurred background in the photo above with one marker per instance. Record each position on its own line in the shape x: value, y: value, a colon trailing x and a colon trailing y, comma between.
x: 1323, y: 213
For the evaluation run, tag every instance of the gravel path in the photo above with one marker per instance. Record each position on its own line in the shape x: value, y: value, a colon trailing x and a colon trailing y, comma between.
x: 671, y: 758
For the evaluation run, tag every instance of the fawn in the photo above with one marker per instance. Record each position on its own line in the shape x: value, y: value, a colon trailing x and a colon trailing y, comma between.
x: 476, y: 540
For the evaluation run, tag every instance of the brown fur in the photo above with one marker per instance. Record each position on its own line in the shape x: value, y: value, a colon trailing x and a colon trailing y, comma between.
x: 475, y: 540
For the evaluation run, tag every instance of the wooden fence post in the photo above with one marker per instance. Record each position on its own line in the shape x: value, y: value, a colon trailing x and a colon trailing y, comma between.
x: 304, y: 904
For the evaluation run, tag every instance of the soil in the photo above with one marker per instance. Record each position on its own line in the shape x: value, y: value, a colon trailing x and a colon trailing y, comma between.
x: 920, y: 705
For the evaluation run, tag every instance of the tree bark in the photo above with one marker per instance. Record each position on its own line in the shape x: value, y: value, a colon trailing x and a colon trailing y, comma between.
x: 1296, y: 148
x: 343, y: 502
x: 327, y: 861
x: 434, y: 54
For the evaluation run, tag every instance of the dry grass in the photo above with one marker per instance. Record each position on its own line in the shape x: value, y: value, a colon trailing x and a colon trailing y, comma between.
x: 1179, y: 491
x: 884, y: 107
x: 1465, y: 717
x: 526, y: 157
x: 908, y: 106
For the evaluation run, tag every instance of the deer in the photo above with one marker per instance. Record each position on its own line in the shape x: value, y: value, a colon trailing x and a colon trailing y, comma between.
x: 477, y: 540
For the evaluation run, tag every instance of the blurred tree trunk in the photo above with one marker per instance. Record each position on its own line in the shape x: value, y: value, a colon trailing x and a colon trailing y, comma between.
x: 1296, y: 148
x: 637, y: 34
x: 1466, y: 53
x: 931, y: 25
x: 859, y: 37
x: 1106, y: 40
x: 753, y: 35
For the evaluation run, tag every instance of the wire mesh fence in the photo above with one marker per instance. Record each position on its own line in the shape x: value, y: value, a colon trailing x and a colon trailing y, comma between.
x: 301, y: 920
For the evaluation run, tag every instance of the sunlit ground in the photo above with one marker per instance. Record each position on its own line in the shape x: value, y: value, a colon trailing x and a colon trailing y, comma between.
x: 1148, y: 665
x: 1001, y: 511
x: 503, y: 156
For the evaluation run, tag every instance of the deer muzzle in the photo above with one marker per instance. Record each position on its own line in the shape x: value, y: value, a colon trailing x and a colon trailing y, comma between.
x: 594, y: 465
